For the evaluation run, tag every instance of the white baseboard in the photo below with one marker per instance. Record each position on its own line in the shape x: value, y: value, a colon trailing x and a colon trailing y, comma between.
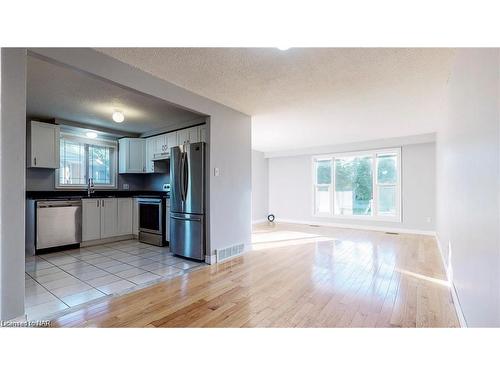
x: 210, y: 259
x: 361, y: 227
x: 259, y: 221
x: 454, y: 294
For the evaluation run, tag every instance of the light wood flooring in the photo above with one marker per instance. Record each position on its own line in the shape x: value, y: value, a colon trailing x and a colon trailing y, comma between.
x: 296, y: 276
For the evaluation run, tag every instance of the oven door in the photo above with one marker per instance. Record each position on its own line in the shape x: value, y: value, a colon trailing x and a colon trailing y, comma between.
x: 150, y: 217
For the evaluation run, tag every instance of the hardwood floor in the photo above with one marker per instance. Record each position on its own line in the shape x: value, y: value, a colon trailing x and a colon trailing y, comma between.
x: 296, y: 276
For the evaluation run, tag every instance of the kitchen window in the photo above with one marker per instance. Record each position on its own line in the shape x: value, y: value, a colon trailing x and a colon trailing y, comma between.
x: 365, y: 185
x: 82, y: 158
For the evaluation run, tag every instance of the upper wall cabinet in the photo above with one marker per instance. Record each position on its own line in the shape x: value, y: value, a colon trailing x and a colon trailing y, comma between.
x: 132, y: 155
x: 137, y: 155
x: 43, y: 145
x: 191, y: 135
x: 150, y: 153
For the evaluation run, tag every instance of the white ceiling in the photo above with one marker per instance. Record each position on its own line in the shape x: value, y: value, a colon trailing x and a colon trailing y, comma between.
x: 306, y: 97
x: 55, y: 91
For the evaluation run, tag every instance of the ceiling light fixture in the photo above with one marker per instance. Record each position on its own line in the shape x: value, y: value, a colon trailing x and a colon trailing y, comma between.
x: 283, y: 48
x: 91, y: 135
x: 118, y: 116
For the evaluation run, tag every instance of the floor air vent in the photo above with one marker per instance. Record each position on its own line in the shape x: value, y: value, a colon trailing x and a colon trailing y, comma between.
x: 392, y: 233
x: 229, y: 252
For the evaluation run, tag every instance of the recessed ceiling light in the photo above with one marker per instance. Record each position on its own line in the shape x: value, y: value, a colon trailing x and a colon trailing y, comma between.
x: 283, y: 48
x: 91, y: 135
x: 118, y: 116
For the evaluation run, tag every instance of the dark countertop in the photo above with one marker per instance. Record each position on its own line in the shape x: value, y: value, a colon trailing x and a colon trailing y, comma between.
x: 82, y: 194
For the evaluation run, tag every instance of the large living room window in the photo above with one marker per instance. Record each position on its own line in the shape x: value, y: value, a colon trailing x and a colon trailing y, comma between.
x: 358, y: 185
x: 83, y: 158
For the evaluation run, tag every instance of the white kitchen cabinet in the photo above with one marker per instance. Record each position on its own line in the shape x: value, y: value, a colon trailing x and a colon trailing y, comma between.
x: 91, y: 219
x: 135, y: 218
x: 132, y: 153
x: 125, y: 216
x: 150, y: 151
x: 202, y: 133
x: 161, y: 145
x: 182, y: 136
x: 109, y: 217
x: 43, y: 145
x: 192, y: 135
x: 171, y: 140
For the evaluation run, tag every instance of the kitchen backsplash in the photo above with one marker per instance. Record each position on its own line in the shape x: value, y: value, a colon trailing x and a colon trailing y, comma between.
x: 38, y: 179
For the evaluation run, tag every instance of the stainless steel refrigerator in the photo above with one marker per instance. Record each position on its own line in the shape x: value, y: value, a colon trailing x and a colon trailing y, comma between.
x: 187, y: 200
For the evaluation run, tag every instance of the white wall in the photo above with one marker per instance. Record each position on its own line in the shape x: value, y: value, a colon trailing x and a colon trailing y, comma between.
x: 291, y: 193
x: 260, y: 186
x: 12, y: 182
x: 468, y: 184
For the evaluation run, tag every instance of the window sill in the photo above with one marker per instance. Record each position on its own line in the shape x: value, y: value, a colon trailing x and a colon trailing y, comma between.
x: 388, y: 219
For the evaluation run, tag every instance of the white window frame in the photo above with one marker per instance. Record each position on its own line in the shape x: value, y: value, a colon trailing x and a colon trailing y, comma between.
x: 375, y: 216
x: 315, y: 185
x: 94, y: 142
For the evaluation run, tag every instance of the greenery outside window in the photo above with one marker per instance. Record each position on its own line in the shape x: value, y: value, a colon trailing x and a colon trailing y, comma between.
x: 83, y: 158
x: 358, y: 185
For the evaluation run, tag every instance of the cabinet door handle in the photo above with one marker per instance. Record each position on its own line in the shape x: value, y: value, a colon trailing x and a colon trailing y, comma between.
x: 34, y: 160
x: 98, y: 203
x: 103, y: 203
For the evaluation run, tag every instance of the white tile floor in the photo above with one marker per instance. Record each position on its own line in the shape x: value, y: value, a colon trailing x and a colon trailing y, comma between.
x: 60, y: 280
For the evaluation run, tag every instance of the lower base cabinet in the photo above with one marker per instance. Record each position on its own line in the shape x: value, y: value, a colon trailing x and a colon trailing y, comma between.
x: 125, y: 216
x: 109, y: 217
x: 106, y: 217
x: 135, y: 218
x: 91, y: 219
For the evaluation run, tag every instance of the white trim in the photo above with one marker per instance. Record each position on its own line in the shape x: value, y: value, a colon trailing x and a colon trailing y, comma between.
x: 373, y: 154
x: 361, y: 227
x: 453, y: 290
x: 258, y: 221
x: 211, y: 259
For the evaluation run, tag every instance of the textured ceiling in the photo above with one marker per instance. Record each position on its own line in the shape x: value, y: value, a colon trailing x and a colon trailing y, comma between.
x: 55, y: 91
x: 306, y: 97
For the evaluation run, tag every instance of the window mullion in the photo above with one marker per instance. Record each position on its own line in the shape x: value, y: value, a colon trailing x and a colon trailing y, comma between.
x: 86, y: 163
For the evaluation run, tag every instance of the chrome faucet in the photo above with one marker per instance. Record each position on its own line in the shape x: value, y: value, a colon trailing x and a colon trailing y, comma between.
x: 90, y: 186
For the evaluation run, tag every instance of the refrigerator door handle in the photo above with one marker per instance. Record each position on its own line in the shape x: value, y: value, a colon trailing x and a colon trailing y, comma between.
x: 181, y: 177
x: 185, y: 218
x: 186, y: 175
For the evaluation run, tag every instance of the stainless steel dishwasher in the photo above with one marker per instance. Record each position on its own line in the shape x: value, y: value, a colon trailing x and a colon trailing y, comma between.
x: 58, y: 223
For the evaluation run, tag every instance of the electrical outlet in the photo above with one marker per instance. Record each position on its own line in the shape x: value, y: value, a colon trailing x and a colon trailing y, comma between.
x: 428, y: 219
x: 125, y: 186
x: 216, y: 172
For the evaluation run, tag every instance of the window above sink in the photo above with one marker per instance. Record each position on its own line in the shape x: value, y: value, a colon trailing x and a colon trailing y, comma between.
x: 82, y: 158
